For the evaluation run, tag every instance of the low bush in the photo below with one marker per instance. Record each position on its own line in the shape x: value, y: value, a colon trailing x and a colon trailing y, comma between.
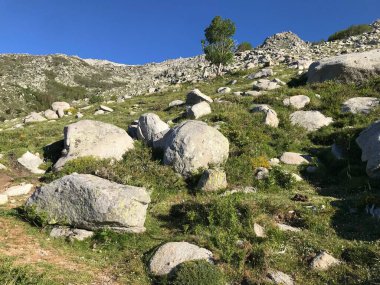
x: 351, y: 31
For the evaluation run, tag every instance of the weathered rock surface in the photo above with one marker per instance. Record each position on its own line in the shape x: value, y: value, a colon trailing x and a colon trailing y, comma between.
x: 198, y: 110
x: 192, y: 145
x: 310, y: 120
x: 280, y: 278
x: 171, y: 254
x: 176, y: 103
x: 270, y: 118
x: 150, y: 127
x: 3, y: 199
x: 93, y: 138
x: 293, y: 158
x: 297, y: 101
x: 323, y: 261
x: 89, y: 202
x: 64, y: 106
x: 71, y: 234
x: 196, y: 96
x: 287, y: 228
x: 265, y: 84
x: 50, y: 115
x: 265, y: 72
x: 224, y: 90
x: 352, y: 67
x: 213, y: 180
x: 360, y: 105
x: 19, y: 190
x: 259, y: 231
x: 34, y: 117
x: 369, y: 143
x: 31, y: 162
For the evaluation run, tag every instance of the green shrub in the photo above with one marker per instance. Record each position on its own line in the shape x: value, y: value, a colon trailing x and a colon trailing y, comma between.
x: 96, y: 99
x: 198, y: 273
x: 244, y: 46
x: 351, y: 31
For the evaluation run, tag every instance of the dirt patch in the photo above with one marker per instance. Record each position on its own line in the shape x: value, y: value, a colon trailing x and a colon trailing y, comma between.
x: 5, y: 181
x: 26, y: 250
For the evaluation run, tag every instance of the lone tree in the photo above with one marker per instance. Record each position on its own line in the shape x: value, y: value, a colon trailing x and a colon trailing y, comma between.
x: 219, y: 45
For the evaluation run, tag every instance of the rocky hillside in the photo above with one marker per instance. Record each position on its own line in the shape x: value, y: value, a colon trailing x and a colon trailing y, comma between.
x: 34, y: 82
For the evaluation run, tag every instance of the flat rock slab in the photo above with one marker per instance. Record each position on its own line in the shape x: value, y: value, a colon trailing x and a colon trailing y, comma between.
x: 293, y: 158
x: 88, y: 202
x: 171, y: 254
x: 71, y: 234
x: 352, y: 67
x: 18, y: 190
x: 280, y: 278
x: 224, y: 90
x: 310, y: 120
x: 93, y: 138
x: 287, y: 228
x: 362, y: 105
x: 31, y: 162
x: 34, y: 117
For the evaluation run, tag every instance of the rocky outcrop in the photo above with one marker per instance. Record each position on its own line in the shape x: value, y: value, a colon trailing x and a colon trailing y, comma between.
x: 89, y: 202
x: 353, y: 67
x: 93, y: 138
x: 193, y: 145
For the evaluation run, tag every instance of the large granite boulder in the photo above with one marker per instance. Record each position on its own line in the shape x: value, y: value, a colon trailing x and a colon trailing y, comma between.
x: 150, y: 127
x: 369, y: 142
x: 171, y: 254
x: 351, y: 67
x: 93, y: 138
x: 193, y: 145
x: 89, y: 202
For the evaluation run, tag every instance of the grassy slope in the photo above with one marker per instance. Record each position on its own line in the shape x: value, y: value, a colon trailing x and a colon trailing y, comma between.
x: 178, y: 212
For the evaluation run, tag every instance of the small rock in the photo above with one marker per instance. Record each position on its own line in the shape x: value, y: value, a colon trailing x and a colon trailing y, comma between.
x: 31, y: 162
x: 72, y: 234
x: 310, y: 120
x: 261, y: 173
x: 280, y: 278
x: 265, y: 84
x: 198, y: 110
x: 300, y: 198
x: 19, y: 190
x: 323, y: 261
x: 265, y: 72
x: 176, y: 103
x: 287, y: 228
x: 50, y: 115
x: 293, y: 158
x: 224, y: 90
x: 362, y: 105
x: 79, y: 115
x: 244, y: 190
x: 259, y: 231
x: 105, y: 108
x: 60, y: 105
x: 2, y: 167
x: 297, y: 177
x: 3, y: 199
x: 34, y: 117
x: 297, y: 102
x: 253, y: 93
x: 213, y: 180
x: 99, y: 112
x: 274, y: 161
x: 196, y: 96
x: 60, y: 113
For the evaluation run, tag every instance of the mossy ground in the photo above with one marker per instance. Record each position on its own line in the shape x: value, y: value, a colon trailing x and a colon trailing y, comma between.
x: 333, y: 218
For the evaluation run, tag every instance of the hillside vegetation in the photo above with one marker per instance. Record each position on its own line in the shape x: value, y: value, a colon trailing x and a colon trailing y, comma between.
x: 332, y: 218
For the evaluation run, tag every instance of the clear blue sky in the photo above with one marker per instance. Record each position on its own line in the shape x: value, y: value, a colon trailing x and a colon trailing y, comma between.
x: 141, y: 31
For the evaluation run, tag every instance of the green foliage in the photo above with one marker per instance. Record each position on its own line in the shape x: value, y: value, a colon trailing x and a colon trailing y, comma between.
x: 218, y: 45
x: 96, y: 99
x: 350, y: 31
x: 244, y: 46
x: 197, y: 273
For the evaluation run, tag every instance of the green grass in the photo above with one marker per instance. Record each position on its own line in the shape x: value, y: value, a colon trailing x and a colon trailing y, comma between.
x: 353, y: 30
x: 225, y: 224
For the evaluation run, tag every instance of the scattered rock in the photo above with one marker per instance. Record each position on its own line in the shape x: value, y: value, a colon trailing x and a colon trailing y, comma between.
x: 265, y: 84
x: 34, y: 117
x: 64, y: 106
x: 89, y: 202
x: 297, y: 177
x: 224, y: 90
x: 274, y: 161
x: 253, y: 93
x: 265, y: 72
x: 171, y: 254
x: 3, y: 199
x: 271, y: 118
x: 31, y: 162
x: 71, y: 234
x: 310, y: 120
x: 297, y: 102
x: 323, y: 261
x: 2, y: 167
x: 261, y: 173
x: 287, y: 228
x: 243, y: 190
x: 105, y: 108
x: 60, y: 113
x: 198, y: 110
x: 293, y: 158
x: 196, y: 96
x: 99, y: 112
x: 50, y: 115
x: 192, y: 145
x: 213, y: 180
x: 18, y: 190
x: 150, y: 127
x: 176, y: 103
x: 369, y: 143
x: 259, y: 231
x: 79, y: 115
x: 93, y: 138
x: 280, y: 278
x: 353, y: 67
x: 360, y: 105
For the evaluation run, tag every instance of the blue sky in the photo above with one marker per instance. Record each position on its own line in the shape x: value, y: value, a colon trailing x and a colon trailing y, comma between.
x: 143, y: 31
